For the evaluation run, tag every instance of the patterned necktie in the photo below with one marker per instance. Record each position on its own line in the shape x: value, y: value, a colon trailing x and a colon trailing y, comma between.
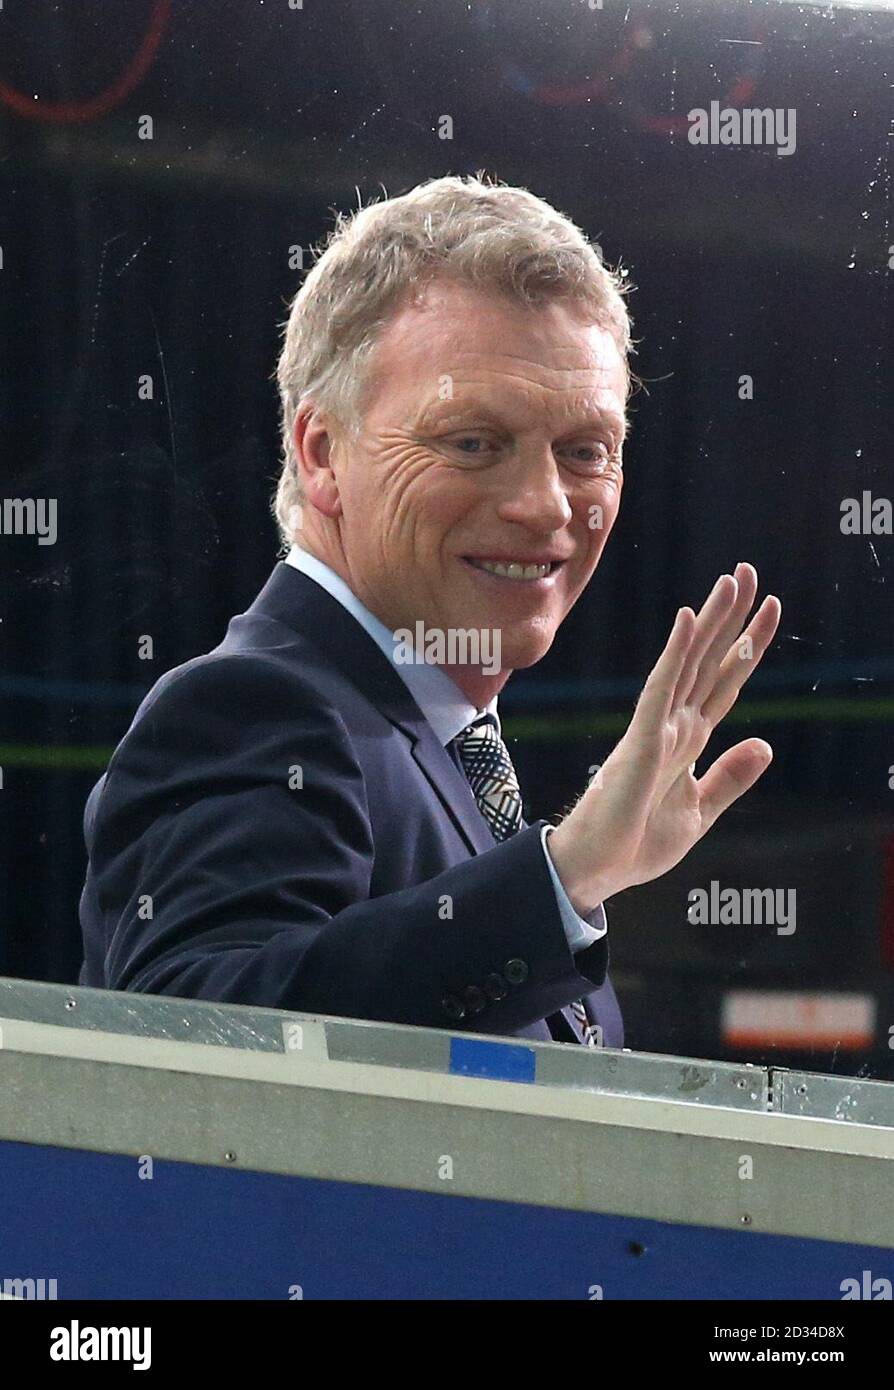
x: 488, y: 766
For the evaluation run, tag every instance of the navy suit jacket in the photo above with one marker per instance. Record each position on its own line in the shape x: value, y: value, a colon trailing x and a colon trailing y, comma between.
x: 281, y: 827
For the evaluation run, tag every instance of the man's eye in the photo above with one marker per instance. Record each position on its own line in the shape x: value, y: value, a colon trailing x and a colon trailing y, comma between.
x: 471, y: 443
x: 594, y: 456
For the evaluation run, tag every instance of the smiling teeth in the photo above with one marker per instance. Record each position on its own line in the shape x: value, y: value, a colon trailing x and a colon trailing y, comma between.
x: 514, y: 571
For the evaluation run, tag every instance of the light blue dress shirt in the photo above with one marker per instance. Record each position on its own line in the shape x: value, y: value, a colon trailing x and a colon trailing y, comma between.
x: 447, y: 711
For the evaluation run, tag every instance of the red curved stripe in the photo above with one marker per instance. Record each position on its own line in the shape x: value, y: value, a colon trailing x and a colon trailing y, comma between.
x: 68, y: 112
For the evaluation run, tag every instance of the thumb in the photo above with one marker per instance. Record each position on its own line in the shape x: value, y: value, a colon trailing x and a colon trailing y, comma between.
x: 731, y: 776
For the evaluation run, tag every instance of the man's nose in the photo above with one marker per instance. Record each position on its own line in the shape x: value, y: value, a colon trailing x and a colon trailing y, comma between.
x: 535, y: 495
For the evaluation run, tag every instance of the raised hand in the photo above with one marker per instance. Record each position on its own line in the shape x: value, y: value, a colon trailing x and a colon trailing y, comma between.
x: 646, y: 808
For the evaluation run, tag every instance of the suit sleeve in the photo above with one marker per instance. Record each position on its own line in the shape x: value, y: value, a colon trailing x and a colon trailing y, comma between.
x: 231, y: 858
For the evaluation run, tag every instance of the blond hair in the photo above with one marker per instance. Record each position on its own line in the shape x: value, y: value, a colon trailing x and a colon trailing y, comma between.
x: 490, y: 235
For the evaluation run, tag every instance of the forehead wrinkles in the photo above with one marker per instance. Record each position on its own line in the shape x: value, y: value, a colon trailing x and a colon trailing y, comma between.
x: 521, y: 398
x: 415, y: 359
x: 550, y: 376
x: 518, y: 411
x: 538, y: 356
x: 477, y: 326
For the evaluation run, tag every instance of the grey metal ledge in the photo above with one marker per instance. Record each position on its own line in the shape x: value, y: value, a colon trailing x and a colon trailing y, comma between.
x: 650, y: 1075
x: 850, y: 1100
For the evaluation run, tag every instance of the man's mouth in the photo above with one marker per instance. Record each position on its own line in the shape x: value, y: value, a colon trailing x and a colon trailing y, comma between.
x: 515, y: 569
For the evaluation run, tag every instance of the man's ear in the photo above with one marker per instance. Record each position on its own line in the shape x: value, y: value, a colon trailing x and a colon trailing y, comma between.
x: 314, y: 437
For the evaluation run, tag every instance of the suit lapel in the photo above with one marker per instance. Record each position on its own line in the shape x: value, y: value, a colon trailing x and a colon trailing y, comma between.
x: 293, y: 598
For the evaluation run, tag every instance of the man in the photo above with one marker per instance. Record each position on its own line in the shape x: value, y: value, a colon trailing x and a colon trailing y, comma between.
x: 305, y: 818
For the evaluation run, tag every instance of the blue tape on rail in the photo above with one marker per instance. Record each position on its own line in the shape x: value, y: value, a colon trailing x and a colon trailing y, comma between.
x: 499, y: 1061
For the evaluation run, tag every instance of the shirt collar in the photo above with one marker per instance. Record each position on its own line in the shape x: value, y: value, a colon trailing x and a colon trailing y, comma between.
x: 440, y: 699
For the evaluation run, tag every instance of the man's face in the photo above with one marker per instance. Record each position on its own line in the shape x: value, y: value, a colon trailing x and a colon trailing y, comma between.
x: 492, y: 433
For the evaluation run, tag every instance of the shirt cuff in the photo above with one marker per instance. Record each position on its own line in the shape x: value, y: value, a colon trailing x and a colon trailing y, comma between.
x: 580, y: 932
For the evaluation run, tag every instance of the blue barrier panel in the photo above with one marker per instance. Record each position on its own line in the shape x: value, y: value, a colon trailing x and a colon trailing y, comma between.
x: 89, y: 1221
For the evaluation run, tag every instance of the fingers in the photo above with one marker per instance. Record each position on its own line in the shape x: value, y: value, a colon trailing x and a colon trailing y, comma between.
x: 742, y: 659
x: 734, y: 772
x: 708, y: 658
x: 655, y: 701
x: 746, y: 578
x: 714, y: 614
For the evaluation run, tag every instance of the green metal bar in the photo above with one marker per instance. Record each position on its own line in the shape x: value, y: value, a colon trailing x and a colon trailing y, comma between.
x: 59, y: 757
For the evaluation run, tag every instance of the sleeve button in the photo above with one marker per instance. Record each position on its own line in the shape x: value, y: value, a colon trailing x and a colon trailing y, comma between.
x: 495, y: 987
x: 516, y: 971
x: 453, y: 1007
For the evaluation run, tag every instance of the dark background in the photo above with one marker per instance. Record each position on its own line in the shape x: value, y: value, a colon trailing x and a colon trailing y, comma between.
x: 170, y: 256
